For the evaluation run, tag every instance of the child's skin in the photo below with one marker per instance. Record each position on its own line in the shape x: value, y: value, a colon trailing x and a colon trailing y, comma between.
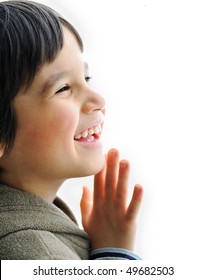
x: 45, y: 152
x: 109, y: 214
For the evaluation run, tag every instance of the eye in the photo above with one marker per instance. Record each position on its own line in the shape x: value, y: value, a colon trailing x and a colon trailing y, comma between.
x: 63, y: 89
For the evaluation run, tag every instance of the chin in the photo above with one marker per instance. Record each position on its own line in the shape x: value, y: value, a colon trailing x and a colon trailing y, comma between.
x: 92, y: 167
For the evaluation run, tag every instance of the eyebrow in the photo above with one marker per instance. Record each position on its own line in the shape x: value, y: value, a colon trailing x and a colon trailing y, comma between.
x: 47, y: 85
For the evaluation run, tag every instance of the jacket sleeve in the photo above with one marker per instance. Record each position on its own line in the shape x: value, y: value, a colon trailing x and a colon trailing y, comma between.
x: 113, y: 254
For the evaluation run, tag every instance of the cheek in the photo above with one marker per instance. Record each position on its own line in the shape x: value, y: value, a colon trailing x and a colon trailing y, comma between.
x: 49, y: 128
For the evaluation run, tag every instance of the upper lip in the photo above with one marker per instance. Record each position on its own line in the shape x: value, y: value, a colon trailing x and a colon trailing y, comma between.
x: 95, y: 122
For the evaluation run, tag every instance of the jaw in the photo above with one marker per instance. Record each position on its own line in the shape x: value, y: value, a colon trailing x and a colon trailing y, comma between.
x: 91, y: 159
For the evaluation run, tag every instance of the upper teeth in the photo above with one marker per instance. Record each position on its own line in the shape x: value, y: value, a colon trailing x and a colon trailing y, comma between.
x: 96, y: 129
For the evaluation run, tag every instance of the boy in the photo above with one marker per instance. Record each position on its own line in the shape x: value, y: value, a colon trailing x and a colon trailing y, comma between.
x: 50, y: 130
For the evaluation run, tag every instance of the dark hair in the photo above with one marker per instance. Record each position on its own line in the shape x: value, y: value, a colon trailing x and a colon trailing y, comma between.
x: 30, y: 35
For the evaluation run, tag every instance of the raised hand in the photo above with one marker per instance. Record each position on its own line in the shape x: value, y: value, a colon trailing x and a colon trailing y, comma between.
x: 106, y: 217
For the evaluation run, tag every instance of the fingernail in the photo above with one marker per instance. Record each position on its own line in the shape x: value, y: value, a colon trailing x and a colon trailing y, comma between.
x: 139, y: 190
x: 112, y: 153
x: 123, y: 163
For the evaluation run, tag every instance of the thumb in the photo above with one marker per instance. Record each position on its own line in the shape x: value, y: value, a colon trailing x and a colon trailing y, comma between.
x: 86, y: 206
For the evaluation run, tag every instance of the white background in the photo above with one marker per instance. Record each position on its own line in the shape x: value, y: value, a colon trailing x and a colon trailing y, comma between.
x: 148, y: 59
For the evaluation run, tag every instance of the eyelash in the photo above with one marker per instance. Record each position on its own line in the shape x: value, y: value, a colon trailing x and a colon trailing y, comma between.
x: 64, y: 88
x: 88, y: 78
x: 67, y: 87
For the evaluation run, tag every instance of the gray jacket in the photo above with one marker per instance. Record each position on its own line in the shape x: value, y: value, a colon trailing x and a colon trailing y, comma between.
x: 32, y: 228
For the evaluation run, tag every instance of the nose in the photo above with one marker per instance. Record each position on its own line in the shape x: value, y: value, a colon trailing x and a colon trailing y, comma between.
x: 93, y: 102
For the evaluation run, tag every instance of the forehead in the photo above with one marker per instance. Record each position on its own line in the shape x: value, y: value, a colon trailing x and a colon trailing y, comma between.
x: 68, y: 62
x: 69, y: 56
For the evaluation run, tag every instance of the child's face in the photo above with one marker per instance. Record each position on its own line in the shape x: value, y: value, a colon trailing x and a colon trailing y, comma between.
x: 59, y: 106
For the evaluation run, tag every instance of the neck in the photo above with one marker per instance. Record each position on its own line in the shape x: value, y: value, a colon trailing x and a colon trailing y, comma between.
x: 46, y: 189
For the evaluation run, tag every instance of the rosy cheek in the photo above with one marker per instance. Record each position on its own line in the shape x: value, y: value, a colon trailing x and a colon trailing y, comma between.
x: 49, y: 128
x: 63, y: 120
x: 60, y: 126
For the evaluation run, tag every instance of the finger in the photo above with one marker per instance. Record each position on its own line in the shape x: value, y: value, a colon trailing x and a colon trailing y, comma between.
x: 86, y: 206
x: 135, y: 203
x: 122, y: 185
x: 99, y: 183
x: 111, y: 175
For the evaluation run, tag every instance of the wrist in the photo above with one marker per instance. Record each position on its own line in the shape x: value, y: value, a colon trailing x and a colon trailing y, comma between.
x: 126, y: 244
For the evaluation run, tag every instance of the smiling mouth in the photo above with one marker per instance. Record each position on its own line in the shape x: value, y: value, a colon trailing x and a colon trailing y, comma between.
x: 90, y: 135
